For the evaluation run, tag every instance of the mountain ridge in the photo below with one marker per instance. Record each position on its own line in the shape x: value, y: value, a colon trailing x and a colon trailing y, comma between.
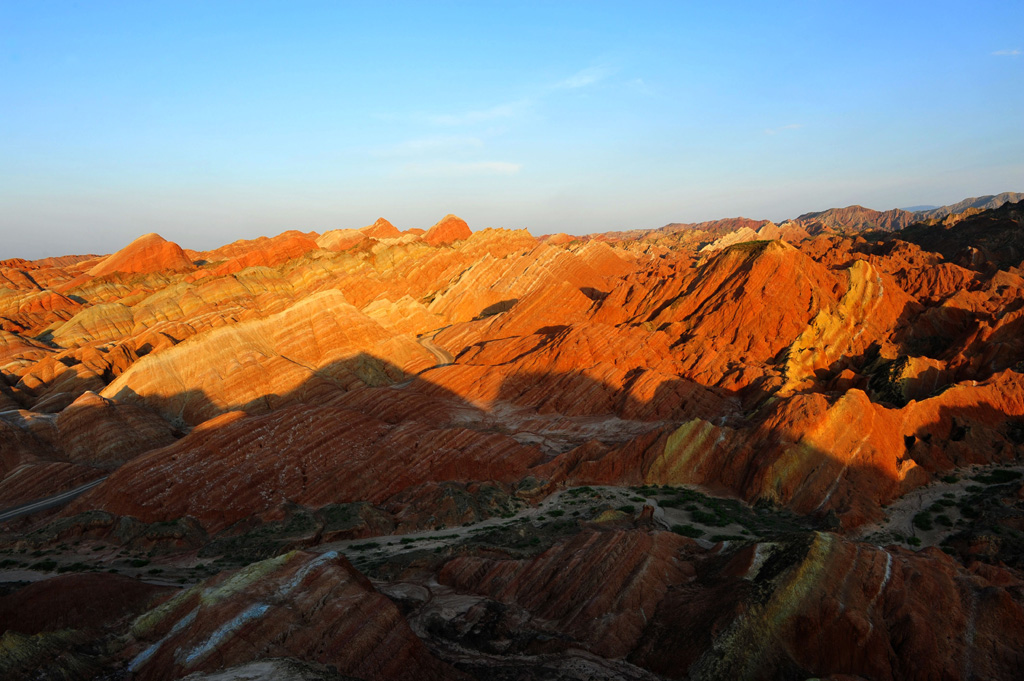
x: 449, y: 454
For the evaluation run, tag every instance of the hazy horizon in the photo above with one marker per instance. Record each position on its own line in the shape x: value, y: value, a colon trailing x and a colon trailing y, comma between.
x: 211, y: 123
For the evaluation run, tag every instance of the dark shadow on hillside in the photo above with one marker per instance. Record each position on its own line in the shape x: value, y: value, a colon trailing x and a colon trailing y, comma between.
x: 497, y: 308
x: 990, y: 240
x: 401, y: 446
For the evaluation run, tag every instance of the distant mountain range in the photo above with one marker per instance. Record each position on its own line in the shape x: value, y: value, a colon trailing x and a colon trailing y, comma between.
x: 979, y: 202
x: 855, y: 218
x: 859, y: 218
x: 849, y: 219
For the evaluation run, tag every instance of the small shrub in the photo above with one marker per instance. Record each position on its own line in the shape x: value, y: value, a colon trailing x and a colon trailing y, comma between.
x: 923, y: 521
x: 970, y: 512
x: 914, y: 541
x: 706, y: 518
x: 997, y: 477
x: 944, y: 520
x: 688, y: 531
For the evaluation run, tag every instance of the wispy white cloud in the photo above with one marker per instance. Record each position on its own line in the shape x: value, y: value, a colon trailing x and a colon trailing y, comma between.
x: 584, y: 78
x: 438, y: 144
x: 1006, y: 53
x: 507, y: 110
x: 449, y: 155
x: 776, y: 131
x: 457, y: 169
x: 520, y: 107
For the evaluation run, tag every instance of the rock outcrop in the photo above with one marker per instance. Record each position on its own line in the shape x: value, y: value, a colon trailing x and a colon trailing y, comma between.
x: 856, y: 219
x: 320, y: 344
x: 232, y: 466
x: 285, y: 392
x: 298, y: 605
x: 148, y: 253
x: 448, y: 230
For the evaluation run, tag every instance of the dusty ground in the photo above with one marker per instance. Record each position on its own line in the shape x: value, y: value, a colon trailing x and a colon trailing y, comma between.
x: 933, y: 505
x: 530, y: 529
x: 937, y: 508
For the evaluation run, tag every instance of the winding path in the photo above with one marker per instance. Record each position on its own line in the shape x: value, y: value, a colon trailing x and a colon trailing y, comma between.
x: 444, y: 358
x: 48, y: 502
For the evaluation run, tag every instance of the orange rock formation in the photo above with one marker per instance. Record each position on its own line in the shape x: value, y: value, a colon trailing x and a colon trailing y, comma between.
x: 408, y: 375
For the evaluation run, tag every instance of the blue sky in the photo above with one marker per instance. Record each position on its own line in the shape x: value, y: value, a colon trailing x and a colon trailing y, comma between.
x: 209, y: 122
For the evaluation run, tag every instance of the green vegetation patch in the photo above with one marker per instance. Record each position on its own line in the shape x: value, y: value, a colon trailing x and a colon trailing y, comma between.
x: 998, y: 477
x: 923, y: 521
x: 706, y: 518
x: 688, y: 531
x: 764, y: 519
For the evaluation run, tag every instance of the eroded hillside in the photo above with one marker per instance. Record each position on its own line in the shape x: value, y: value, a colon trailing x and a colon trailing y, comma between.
x: 452, y: 454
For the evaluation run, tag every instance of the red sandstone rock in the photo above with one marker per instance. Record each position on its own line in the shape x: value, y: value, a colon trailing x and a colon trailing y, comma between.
x: 448, y: 230
x: 320, y: 343
x: 148, y: 253
x: 100, y: 432
x: 814, y: 602
x: 835, y: 607
x: 38, y: 479
x: 232, y: 466
x: 381, y: 229
x: 299, y: 605
x: 831, y: 374
x: 260, y: 252
x: 341, y: 239
x: 600, y: 589
x: 86, y: 601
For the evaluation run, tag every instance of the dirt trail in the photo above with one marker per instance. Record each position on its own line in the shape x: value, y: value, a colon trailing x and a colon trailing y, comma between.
x: 388, y: 546
x: 899, y: 517
x: 443, y: 357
